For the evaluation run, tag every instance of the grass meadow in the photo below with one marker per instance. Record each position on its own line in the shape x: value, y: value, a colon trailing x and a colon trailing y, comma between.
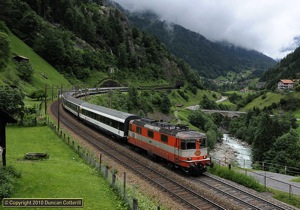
x: 63, y: 175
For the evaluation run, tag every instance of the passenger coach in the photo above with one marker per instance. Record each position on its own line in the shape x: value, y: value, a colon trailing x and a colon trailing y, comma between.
x: 109, y: 120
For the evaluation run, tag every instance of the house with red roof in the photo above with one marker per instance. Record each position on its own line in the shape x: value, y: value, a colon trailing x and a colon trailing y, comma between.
x: 285, y: 84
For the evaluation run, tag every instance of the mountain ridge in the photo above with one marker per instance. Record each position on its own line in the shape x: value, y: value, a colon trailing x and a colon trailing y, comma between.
x: 209, y: 59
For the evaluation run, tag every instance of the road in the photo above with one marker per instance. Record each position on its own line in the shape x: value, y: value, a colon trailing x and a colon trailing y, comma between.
x: 276, y: 181
x: 223, y: 98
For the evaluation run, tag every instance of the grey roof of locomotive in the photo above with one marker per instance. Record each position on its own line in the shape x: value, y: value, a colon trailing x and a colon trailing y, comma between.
x: 167, y: 128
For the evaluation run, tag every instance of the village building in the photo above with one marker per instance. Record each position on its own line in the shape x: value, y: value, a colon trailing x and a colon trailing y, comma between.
x: 20, y: 58
x: 285, y: 84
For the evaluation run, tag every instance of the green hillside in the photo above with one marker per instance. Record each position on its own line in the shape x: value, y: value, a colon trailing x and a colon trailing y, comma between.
x: 40, y: 66
x: 263, y: 101
x: 88, y: 42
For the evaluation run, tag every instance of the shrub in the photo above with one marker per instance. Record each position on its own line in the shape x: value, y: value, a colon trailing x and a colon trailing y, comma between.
x: 25, y: 71
x: 37, y: 94
x: 8, y: 177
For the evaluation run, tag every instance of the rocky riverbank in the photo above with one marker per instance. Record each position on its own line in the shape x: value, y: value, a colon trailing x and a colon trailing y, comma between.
x: 233, y: 151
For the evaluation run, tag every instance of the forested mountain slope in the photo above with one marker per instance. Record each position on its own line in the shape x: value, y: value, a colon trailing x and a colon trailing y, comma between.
x: 27, y: 76
x: 210, y: 59
x: 288, y: 68
x: 82, y: 39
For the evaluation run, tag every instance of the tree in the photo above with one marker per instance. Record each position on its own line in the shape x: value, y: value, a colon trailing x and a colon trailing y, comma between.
x: 212, y: 138
x: 133, y: 100
x: 166, y: 104
x: 11, y: 101
x: 198, y: 119
x: 208, y: 104
x: 52, y: 47
x: 285, y: 150
x: 4, y: 50
x: 37, y: 94
x: 123, y: 56
x: 25, y: 71
x: 31, y: 26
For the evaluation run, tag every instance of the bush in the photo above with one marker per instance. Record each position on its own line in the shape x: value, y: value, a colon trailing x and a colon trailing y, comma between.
x: 25, y: 71
x: 37, y: 94
x: 8, y: 177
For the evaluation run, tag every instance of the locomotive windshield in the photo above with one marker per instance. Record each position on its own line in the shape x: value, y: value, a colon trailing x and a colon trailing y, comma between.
x: 191, y: 143
x: 188, y: 144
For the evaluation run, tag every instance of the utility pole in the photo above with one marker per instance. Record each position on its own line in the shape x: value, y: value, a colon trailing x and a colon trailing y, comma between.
x: 58, y: 101
x: 45, y: 99
x: 52, y: 92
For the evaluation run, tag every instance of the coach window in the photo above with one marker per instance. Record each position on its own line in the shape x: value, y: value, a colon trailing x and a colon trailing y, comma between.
x: 150, y: 134
x: 102, y: 119
x: 164, y: 138
x: 121, y: 126
x: 114, y: 124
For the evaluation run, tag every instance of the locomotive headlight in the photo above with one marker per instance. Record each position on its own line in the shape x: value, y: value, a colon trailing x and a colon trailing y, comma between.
x: 189, y: 158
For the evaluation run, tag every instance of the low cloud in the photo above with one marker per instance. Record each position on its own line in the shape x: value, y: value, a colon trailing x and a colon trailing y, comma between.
x: 268, y: 26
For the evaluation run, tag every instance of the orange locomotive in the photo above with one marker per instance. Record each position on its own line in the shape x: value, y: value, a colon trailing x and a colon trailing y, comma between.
x: 182, y: 148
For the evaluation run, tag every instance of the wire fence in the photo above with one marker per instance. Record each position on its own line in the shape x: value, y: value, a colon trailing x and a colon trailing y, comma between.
x: 267, y: 178
x: 260, y: 165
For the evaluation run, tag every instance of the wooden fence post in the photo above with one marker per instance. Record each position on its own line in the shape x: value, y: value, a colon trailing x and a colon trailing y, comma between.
x: 134, y: 204
x: 124, y: 184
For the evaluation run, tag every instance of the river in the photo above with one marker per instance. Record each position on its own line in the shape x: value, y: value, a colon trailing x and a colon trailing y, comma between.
x: 232, y: 150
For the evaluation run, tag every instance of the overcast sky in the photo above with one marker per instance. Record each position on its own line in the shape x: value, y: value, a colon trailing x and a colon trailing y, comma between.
x: 269, y: 26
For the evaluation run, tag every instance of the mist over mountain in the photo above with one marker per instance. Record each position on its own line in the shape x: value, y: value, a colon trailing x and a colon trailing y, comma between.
x: 266, y: 26
x: 210, y: 59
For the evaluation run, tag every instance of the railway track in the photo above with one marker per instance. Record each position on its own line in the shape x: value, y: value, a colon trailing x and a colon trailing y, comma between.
x: 180, y: 193
x: 236, y: 193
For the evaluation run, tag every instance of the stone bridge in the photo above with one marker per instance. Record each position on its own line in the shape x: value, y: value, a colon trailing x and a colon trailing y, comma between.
x: 224, y: 112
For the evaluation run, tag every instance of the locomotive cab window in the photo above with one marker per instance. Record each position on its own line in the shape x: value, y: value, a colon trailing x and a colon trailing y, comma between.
x: 138, y: 130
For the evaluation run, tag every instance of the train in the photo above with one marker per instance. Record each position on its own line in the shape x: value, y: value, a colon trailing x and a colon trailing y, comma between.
x: 178, y: 146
